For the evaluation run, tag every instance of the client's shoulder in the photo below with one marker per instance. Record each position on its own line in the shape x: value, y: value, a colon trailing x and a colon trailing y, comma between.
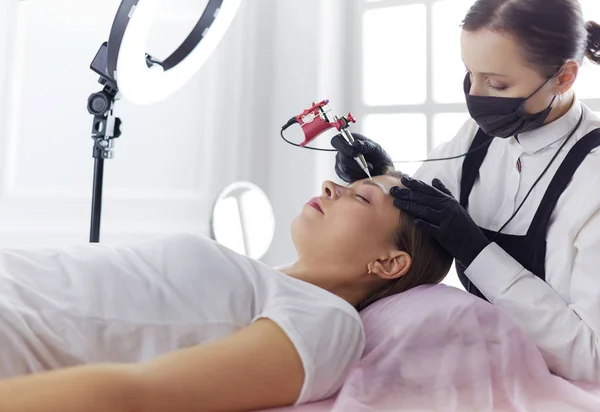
x: 313, y: 298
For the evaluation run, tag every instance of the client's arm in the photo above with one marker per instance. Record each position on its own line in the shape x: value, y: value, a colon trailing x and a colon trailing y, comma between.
x: 255, y: 368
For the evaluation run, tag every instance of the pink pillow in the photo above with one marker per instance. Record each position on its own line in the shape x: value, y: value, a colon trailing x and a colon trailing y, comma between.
x: 438, y: 348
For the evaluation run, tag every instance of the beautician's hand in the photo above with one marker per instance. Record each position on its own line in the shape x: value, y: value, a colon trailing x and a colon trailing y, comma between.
x: 346, y: 167
x: 442, y: 217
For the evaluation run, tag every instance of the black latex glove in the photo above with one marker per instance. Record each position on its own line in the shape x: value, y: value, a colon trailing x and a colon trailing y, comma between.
x: 442, y: 217
x: 346, y: 166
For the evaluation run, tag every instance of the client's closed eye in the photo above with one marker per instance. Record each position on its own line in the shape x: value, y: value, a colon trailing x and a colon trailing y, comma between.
x: 363, y: 198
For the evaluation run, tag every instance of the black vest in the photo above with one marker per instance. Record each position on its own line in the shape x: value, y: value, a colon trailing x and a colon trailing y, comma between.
x: 530, y: 249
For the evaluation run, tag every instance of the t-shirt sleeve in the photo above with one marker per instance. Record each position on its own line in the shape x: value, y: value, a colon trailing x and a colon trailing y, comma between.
x: 328, y: 338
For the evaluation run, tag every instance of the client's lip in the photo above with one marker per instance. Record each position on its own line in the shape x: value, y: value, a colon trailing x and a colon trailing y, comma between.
x: 316, y: 203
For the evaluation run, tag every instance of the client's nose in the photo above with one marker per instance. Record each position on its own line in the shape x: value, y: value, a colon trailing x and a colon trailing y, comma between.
x: 330, y: 190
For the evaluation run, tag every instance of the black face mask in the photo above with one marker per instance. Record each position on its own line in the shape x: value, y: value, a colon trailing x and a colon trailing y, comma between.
x: 504, y: 116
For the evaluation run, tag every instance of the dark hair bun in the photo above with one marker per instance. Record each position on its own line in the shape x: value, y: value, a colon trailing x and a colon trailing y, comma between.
x: 593, y: 41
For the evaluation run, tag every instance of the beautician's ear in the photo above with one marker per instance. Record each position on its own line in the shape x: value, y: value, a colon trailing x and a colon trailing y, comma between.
x: 393, y: 267
x: 567, y: 76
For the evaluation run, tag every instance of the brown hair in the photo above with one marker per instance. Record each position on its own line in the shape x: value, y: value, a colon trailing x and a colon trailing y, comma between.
x: 550, y: 31
x: 430, y: 262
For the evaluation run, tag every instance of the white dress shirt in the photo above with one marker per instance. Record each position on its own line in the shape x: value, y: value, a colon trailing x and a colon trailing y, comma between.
x: 562, y: 315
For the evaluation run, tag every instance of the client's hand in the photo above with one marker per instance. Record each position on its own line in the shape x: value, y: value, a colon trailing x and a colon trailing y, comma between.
x: 442, y: 217
x: 346, y: 167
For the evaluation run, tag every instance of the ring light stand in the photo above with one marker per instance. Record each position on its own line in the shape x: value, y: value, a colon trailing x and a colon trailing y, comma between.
x: 126, y: 70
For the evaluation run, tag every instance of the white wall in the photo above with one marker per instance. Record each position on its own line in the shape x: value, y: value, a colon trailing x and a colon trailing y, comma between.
x: 305, y: 68
x: 174, y: 157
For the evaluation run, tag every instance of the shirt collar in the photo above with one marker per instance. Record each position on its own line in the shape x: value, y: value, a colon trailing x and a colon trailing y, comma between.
x: 544, y: 136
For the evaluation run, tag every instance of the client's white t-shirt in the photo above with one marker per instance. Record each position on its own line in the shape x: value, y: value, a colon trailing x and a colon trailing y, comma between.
x: 95, y: 303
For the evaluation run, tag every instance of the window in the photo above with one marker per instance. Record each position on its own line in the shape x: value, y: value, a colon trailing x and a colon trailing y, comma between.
x: 411, y: 74
x: 402, y: 134
x: 388, y: 79
x: 448, y: 69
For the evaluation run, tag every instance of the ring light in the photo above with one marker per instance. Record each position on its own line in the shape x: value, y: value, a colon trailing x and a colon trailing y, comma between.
x: 145, y: 81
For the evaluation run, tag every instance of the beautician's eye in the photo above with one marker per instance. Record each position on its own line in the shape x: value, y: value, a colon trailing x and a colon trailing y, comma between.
x: 363, y: 198
x: 491, y: 86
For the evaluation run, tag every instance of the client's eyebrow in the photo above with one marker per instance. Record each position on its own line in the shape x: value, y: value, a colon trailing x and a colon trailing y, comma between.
x: 372, y: 183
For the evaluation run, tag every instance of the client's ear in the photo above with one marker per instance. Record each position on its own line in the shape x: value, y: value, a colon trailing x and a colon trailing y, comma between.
x: 393, y: 267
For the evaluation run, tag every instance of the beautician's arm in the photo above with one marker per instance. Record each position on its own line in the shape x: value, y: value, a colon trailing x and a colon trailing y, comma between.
x: 567, y: 333
x: 255, y: 368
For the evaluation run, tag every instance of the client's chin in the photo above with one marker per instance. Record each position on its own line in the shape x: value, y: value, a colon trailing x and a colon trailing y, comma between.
x: 303, y: 226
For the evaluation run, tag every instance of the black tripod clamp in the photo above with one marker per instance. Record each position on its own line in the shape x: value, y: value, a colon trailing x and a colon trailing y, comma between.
x: 106, y: 126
